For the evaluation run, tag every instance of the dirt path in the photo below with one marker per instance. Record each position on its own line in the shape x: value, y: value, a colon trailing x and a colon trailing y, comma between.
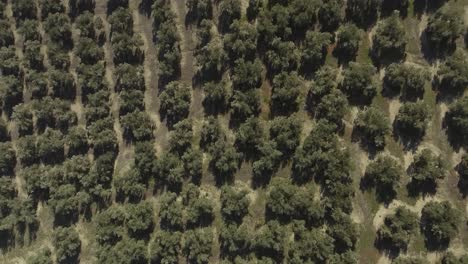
x: 143, y: 26
x: 187, y: 44
x: 101, y: 11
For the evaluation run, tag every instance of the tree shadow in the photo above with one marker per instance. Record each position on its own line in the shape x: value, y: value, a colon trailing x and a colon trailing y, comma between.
x: 145, y: 7
x: 408, y: 139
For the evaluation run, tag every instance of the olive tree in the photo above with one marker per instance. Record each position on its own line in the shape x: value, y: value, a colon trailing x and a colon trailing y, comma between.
x: 439, y: 223
x: 197, y: 245
x: 406, y: 79
x: 67, y: 244
x: 462, y: 169
x: 347, y: 45
x: 443, y: 28
x: 456, y: 120
x: 426, y: 169
x: 175, y: 102
x: 384, y: 173
x: 358, y: 83
x: 412, y: 120
x: 234, y: 204
x: 398, y: 229
x: 389, y: 43
x: 372, y: 126
x: 453, y: 74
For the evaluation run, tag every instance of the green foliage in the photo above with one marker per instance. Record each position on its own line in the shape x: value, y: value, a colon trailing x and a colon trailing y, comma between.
x: 37, y: 181
x: 343, y: 230
x: 10, y: 65
x: 67, y: 244
x: 65, y: 203
x: 283, y: 56
x: 211, y: 60
x: 36, y: 82
x: 249, y: 136
x: 269, y: 241
x: 170, y: 171
x: 405, y: 78
x: 29, y: 30
x: 241, y: 41
x: 129, y: 77
x: 426, y: 169
x: 330, y: 14
x: 170, y: 212
x: 77, y: 141
x: 457, y: 121
x: 453, y: 74
x: 50, y: 146
x: 450, y: 258
x: 62, y: 84
x: 166, y: 247
x: 126, y: 48
x: 51, y: 7
x: 23, y: 9
x: 181, y: 138
x: 6, y: 34
x: 332, y: 107
x: 129, y: 185
x: 267, y: 163
x: 224, y: 161
x: 234, y: 240
x: 384, y: 174
x: 121, y: 21
x: 53, y: 113
x: 140, y: 219
x: 4, y: 134
x: 347, y: 45
x: 200, y: 212
x: 126, y: 251
x: 246, y: 75
x: 286, y: 91
x: 32, y: 54
x: 23, y: 118
x: 358, y: 83
x: 216, y: 97
x: 102, y: 136
x: 244, y: 105
x: 286, y: 201
x: 439, y: 222
x: 11, y: 92
x: 109, y: 224
x: 443, y: 28
x: 58, y: 28
x: 145, y: 159
x: 462, y: 169
x: 210, y: 134
x: 363, y: 13
x: 229, y: 11
x: 137, y: 126
x: 88, y: 51
x: 285, y: 132
x: 314, y: 49
x: 412, y: 119
x: 42, y: 257
x: 175, y: 102
x: 193, y: 162
x: 234, y: 204
x: 390, y: 41
x: 303, y: 14
x: 197, y: 245
x: 398, y: 229
x: 7, y: 159
x: 372, y: 125
x: 313, y: 246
